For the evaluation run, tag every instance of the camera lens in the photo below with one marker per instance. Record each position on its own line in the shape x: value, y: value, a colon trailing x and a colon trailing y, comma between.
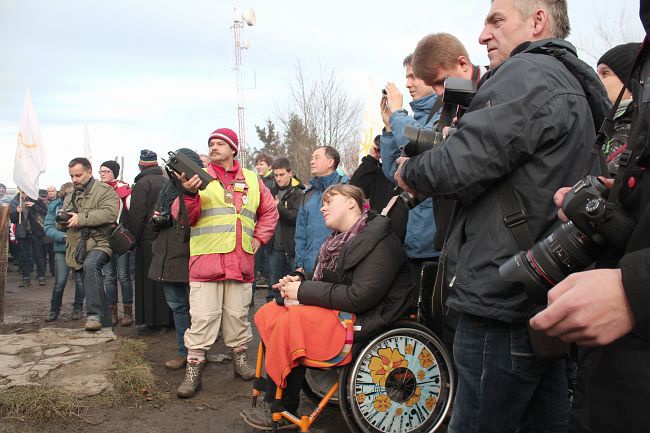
x: 565, y: 251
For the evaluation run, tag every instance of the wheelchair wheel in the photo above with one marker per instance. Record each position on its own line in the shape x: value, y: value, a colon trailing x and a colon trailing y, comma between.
x: 402, y: 381
x: 318, y: 382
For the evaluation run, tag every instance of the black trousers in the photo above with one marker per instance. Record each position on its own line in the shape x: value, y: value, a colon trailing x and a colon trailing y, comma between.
x: 290, y: 394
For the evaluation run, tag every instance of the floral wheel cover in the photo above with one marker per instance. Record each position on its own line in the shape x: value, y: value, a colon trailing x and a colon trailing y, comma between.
x: 398, y: 384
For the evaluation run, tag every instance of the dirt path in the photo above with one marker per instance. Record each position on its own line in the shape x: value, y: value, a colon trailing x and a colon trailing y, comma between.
x: 215, y: 409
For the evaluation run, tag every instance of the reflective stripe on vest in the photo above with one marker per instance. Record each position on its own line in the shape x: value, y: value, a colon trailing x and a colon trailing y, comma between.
x: 216, y: 230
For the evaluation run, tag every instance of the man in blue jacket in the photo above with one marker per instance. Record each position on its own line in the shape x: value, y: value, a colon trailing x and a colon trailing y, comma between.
x: 421, y: 227
x: 310, y: 224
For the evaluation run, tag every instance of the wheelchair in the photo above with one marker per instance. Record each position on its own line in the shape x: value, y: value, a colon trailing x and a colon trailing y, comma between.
x: 400, y: 380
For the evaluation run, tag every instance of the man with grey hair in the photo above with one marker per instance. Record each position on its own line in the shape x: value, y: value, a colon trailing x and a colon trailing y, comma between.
x: 527, y: 132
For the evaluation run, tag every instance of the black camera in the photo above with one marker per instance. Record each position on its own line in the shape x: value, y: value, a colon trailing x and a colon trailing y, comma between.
x: 63, y: 217
x: 182, y: 164
x: 161, y: 221
x: 595, y: 225
x: 458, y: 93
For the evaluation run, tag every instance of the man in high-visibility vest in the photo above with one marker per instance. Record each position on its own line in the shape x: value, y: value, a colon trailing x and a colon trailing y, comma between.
x: 231, y: 218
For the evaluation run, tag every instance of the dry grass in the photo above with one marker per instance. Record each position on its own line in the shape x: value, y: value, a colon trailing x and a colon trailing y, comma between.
x: 41, y: 403
x: 131, y: 375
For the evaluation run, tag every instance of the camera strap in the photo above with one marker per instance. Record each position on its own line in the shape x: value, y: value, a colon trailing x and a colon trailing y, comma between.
x: 436, y: 107
x: 514, y: 215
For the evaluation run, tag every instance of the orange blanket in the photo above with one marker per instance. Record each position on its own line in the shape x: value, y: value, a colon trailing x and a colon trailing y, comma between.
x: 292, y: 333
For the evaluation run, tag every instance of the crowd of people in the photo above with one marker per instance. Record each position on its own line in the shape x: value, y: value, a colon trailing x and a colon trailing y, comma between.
x: 338, y: 269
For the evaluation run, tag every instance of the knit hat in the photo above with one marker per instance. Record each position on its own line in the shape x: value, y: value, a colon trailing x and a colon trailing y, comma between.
x: 192, y: 155
x: 227, y: 135
x: 42, y: 193
x: 148, y: 158
x: 112, y: 166
x: 620, y: 60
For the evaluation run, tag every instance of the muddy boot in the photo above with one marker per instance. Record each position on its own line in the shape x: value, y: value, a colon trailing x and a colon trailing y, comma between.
x: 25, y: 283
x: 127, y: 319
x: 240, y: 365
x: 192, y: 382
x: 114, y: 318
x: 93, y: 324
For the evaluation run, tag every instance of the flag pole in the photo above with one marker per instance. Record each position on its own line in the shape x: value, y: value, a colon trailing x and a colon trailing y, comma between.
x: 20, y: 201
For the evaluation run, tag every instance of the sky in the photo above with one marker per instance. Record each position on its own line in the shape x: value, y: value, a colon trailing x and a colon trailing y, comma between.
x: 160, y: 74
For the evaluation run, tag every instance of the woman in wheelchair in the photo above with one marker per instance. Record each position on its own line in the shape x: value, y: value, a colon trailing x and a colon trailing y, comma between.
x: 360, y: 285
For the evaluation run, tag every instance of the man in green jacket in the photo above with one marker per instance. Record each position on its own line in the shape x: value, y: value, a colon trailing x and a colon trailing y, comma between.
x: 92, y: 209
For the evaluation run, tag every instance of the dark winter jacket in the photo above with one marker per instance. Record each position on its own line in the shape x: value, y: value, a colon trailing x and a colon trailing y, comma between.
x: 530, y: 124
x: 58, y: 237
x: 370, y: 178
x: 143, y: 200
x: 311, y: 230
x: 618, y: 143
x: 32, y: 219
x: 612, y: 392
x: 371, y: 280
x: 288, y: 207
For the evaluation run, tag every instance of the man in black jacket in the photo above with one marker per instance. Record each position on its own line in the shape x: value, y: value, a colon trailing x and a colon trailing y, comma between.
x: 529, y: 125
x: 282, y: 258
x: 29, y: 216
x: 151, y: 310
x: 369, y: 177
x: 607, y: 311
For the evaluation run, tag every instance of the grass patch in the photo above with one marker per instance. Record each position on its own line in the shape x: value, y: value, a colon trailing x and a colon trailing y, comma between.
x: 41, y: 403
x: 132, y: 376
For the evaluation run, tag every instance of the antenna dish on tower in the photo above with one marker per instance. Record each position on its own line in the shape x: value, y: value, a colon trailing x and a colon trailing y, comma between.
x: 249, y: 17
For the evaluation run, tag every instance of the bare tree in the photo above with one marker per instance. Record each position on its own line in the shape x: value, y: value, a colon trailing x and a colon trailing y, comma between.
x: 328, y: 116
x: 607, y: 32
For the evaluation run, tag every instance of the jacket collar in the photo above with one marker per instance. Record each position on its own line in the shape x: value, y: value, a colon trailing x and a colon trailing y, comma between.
x: 147, y: 172
x: 422, y: 106
x: 546, y: 43
x: 322, y: 183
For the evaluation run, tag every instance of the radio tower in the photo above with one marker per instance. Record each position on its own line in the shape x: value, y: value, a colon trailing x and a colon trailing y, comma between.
x: 240, y: 20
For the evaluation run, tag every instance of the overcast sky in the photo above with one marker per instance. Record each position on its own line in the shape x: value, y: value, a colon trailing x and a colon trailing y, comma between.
x: 159, y: 74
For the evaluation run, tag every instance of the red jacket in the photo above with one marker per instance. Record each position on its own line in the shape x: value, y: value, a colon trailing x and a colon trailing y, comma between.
x: 236, y: 265
x: 123, y: 191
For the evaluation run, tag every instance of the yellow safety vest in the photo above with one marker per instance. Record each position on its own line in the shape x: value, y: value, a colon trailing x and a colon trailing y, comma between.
x: 216, y: 230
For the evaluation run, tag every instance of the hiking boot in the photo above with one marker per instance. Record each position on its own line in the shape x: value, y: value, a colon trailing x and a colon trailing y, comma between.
x: 41, y: 281
x: 93, y: 324
x: 261, y: 418
x: 114, y: 318
x: 192, y: 382
x: 240, y: 366
x: 25, y: 283
x: 127, y: 318
x: 76, y: 314
x: 52, y: 316
x: 176, y: 363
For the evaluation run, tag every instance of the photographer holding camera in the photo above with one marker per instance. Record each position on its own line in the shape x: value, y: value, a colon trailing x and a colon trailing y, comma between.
x: 88, y: 214
x: 606, y: 311
x: 420, y: 230
x: 527, y: 132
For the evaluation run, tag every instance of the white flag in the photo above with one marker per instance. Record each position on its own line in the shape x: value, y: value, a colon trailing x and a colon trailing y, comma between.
x: 88, y: 153
x: 372, y: 124
x: 30, y: 153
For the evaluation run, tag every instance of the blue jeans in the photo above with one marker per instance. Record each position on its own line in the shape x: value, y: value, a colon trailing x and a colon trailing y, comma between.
x: 281, y: 264
x: 502, y: 387
x: 120, y: 265
x: 93, y: 282
x: 61, y: 272
x: 178, y: 299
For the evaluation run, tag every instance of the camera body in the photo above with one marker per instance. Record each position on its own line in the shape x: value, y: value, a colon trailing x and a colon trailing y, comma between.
x: 459, y: 92
x: 161, y: 220
x: 182, y: 164
x: 595, y: 226
x: 63, y: 217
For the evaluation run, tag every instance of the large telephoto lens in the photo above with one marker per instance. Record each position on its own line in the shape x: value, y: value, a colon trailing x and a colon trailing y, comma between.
x: 565, y: 251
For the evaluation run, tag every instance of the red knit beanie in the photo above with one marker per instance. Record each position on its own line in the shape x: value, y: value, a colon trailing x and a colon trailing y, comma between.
x: 227, y: 135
